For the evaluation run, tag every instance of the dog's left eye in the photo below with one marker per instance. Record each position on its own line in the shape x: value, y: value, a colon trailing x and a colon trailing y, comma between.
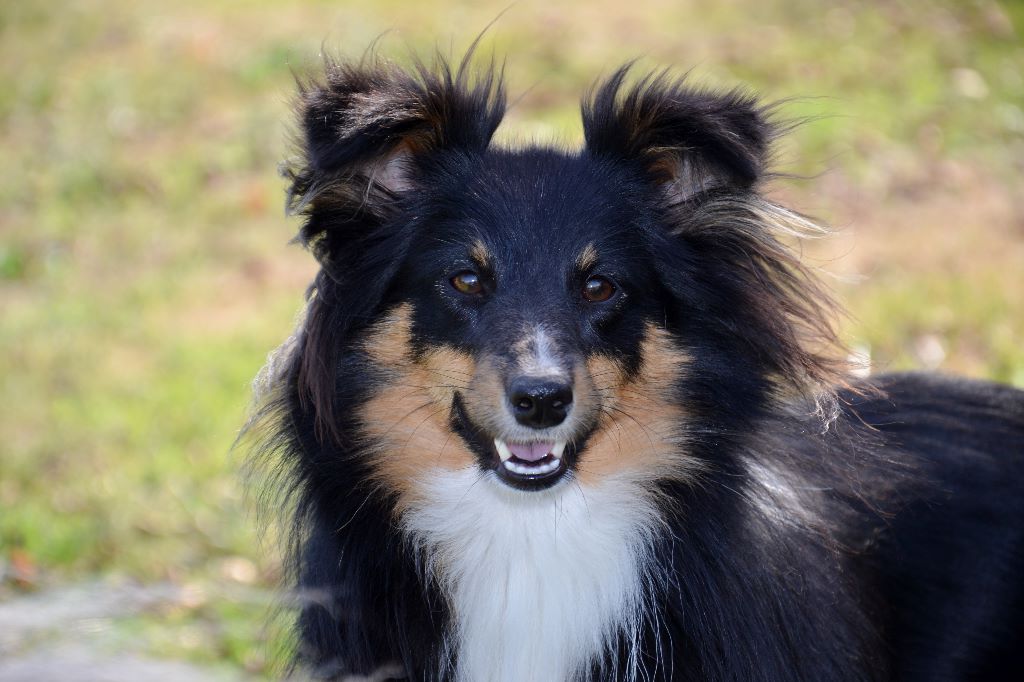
x: 467, y: 282
x: 598, y: 289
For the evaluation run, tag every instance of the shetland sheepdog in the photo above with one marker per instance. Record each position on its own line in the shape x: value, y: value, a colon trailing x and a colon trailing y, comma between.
x: 582, y: 414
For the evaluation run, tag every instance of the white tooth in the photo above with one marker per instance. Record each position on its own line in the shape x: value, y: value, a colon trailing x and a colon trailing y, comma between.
x: 559, y: 448
x: 503, y: 450
x: 534, y: 469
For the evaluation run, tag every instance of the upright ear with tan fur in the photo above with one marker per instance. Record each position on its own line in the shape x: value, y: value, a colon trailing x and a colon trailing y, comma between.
x: 706, y: 152
x: 364, y: 129
x: 691, y: 140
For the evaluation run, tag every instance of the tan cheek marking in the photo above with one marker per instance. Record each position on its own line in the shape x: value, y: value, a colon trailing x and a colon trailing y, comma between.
x: 485, y: 400
x: 388, y: 343
x: 640, y: 424
x: 405, y: 421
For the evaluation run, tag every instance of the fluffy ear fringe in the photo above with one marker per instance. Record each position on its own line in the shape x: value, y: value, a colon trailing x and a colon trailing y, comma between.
x: 689, y: 139
x: 707, y: 151
x: 744, y: 241
x: 365, y: 125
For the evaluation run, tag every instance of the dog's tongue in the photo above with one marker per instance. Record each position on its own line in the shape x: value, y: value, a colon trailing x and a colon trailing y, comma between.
x: 530, y: 452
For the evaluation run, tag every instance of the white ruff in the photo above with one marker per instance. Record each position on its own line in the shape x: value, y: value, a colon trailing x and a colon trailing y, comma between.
x: 540, y: 582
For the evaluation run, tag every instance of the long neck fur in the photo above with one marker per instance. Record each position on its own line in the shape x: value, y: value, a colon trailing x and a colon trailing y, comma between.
x: 541, y: 586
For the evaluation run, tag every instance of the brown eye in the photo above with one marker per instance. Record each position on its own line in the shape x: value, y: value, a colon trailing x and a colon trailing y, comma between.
x: 598, y: 289
x: 467, y: 283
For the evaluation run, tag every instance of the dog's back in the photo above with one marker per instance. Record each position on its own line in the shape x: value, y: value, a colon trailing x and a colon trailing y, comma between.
x: 950, y: 564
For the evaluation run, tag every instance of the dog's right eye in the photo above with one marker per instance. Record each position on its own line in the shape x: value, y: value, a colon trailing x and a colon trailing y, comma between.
x: 598, y: 289
x: 468, y: 283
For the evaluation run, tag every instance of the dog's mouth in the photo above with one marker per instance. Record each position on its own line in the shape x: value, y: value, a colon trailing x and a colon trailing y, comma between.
x: 533, y: 466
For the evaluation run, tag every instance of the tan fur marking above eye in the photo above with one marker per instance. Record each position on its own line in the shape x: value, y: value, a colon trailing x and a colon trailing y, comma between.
x: 405, y: 421
x: 587, y: 258
x: 640, y: 428
x: 479, y: 253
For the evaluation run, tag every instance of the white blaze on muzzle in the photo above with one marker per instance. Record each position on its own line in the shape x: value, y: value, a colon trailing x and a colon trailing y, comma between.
x: 540, y: 356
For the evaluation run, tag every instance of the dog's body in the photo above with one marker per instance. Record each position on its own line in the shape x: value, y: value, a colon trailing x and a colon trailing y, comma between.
x: 574, y: 415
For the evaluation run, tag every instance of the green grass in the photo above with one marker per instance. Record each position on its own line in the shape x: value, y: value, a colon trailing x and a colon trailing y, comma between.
x: 144, y: 272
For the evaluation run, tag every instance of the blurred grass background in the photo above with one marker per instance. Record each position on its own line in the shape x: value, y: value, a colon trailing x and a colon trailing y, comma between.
x: 144, y: 271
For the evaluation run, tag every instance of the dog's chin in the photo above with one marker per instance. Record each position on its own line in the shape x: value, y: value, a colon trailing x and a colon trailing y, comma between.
x: 531, y: 466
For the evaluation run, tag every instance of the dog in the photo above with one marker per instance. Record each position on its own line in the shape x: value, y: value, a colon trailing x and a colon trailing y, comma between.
x: 582, y: 414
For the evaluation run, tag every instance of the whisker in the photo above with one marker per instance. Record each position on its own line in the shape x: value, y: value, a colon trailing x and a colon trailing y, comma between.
x: 643, y: 428
x: 422, y: 422
x: 406, y: 416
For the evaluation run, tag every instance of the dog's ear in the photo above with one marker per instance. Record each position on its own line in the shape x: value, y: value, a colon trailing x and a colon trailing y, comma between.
x: 366, y: 128
x: 368, y: 133
x: 706, y: 152
x: 690, y: 140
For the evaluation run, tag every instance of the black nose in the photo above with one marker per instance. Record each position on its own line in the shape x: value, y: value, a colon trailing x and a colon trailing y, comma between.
x: 539, y: 403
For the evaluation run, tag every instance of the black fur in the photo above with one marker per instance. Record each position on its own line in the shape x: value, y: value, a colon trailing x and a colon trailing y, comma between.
x: 910, y: 566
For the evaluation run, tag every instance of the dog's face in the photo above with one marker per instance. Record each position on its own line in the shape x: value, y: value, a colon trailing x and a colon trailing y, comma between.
x: 531, y: 310
x: 539, y: 315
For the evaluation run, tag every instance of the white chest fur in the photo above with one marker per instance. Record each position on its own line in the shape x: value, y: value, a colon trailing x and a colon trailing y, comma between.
x: 540, y: 583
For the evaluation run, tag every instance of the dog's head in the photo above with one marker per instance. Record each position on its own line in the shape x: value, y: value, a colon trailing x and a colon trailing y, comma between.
x: 539, y: 314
